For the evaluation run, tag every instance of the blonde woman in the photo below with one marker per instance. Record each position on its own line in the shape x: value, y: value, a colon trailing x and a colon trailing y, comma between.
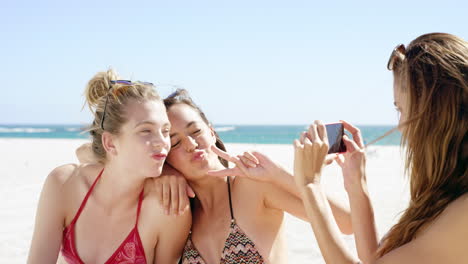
x: 431, y: 93
x: 107, y: 212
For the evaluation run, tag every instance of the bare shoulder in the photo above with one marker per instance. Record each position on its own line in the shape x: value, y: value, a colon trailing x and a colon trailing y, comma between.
x: 450, y: 225
x: 62, y: 174
x: 456, y: 214
x: 76, y: 178
x: 442, y: 241
x: 447, y: 234
x: 70, y: 183
x: 250, y: 192
x: 249, y: 185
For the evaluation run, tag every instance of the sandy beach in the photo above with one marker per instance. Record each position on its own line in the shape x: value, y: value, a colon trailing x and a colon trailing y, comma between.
x: 25, y: 163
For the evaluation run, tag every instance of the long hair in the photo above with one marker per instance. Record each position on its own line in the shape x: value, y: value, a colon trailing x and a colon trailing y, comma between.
x: 433, y: 75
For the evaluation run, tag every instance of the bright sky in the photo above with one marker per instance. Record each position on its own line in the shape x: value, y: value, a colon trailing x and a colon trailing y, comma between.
x: 244, y: 62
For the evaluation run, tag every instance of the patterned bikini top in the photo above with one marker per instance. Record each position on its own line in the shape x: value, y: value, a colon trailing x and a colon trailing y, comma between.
x: 238, y: 247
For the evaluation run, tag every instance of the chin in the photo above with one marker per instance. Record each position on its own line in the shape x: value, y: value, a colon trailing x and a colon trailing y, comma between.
x: 156, y: 172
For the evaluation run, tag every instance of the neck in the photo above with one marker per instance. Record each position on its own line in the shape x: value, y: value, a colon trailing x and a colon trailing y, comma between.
x: 118, y: 187
x: 210, y: 190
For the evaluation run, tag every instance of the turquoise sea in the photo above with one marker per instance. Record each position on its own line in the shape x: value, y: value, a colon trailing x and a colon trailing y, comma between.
x: 252, y: 134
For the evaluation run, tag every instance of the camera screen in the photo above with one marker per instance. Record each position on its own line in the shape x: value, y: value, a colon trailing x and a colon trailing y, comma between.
x: 335, y: 138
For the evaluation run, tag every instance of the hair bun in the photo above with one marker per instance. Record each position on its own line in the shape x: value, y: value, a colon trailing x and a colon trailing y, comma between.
x: 99, y: 86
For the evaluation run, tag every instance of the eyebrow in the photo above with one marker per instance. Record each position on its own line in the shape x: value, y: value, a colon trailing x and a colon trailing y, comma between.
x: 149, y: 122
x: 187, y: 126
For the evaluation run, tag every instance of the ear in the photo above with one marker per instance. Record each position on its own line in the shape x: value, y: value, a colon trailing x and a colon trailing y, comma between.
x: 108, y: 143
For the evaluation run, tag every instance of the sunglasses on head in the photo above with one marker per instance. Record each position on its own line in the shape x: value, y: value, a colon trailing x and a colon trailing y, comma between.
x: 122, y: 82
x: 399, y: 49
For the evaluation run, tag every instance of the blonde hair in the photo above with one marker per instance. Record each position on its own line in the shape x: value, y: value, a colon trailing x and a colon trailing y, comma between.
x: 433, y: 75
x: 103, y: 93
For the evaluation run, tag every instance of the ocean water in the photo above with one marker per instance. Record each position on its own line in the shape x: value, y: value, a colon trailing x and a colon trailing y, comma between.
x: 251, y: 134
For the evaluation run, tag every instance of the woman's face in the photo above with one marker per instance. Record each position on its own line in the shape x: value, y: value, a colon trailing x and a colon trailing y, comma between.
x: 400, y: 102
x: 191, y: 141
x: 143, y: 142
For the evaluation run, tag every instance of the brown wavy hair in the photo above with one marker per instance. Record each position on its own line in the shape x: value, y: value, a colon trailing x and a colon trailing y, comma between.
x: 181, y: 96
x: 432, y: 72
x: 100, y: 93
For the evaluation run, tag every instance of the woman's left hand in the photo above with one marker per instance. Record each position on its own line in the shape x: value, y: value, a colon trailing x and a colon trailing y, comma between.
x: 173, y: 191
x: 253, y: 165
x: 85, y: 154
x: 310, y: 155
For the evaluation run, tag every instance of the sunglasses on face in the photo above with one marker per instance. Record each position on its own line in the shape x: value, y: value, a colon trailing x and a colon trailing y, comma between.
x: 398, y: 50
x: 121, y: 82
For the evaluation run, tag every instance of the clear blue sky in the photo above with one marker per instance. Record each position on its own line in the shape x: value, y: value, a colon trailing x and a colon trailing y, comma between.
x: 244, y: 62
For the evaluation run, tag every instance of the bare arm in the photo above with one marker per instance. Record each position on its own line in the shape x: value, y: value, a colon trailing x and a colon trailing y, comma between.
x: 365, y: 230
x: 47, y: 236
x: 281, y: 191
x: 353, y: 165
x: 325, y: 229
x: 443, y: 241
x: 341, y: 214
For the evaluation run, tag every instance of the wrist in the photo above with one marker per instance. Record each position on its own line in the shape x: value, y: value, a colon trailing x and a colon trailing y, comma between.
x: 357, y: 188
x: 312, y: 186
x: 279, y: 176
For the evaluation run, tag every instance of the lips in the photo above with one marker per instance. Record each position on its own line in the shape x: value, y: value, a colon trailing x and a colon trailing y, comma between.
x: 159, y: 156
x: 198, y: 155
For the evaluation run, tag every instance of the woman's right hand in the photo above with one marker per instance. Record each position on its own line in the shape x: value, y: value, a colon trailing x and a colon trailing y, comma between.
x: 353, y: 162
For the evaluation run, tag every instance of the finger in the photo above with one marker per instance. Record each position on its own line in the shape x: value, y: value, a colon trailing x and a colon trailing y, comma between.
x: 242, y: 168
x: 251, y: 157
x: 307, y: 142
x: 351, y: 146
x: 166, y: 198
x: 340, y: 159
x: 223, y: 154
x: 159, y: 193
x: 190, y: 192
x: 302, y: 137
x: 355, y: 132
x: 297, y: 144
x: 329, y: 159
x: 226, y: 172
x: 247, y: 162
x: 183, y: 199
x: 322, y: 131
x: 174, y: 196
x: 298, y: 161
x: 313, y: 134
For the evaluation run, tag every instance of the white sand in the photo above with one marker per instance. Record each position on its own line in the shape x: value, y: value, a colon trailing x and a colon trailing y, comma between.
x: 26, y: 162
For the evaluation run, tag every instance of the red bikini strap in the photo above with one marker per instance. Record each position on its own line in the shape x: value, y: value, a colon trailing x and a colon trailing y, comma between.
x: 140, y: 200
x: 83, y: 203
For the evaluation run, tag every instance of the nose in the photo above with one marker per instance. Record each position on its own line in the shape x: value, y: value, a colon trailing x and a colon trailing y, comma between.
x: 190, y: 144
x: 159, y: 140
